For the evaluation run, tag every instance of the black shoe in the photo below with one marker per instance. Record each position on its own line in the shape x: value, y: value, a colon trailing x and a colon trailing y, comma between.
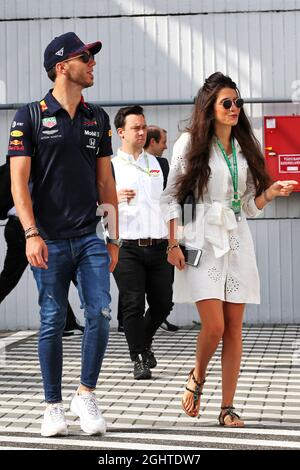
x: 67, y: 333
x: 121, y: 328
x: 167, y: 326
x: 73, y: 330
x: 150, y: 359
x: 141, y: 368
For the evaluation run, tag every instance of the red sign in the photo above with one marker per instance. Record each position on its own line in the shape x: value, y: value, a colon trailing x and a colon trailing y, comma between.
x: 282, y: 147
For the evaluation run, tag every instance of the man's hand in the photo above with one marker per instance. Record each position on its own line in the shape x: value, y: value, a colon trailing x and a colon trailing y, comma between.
x: 125, y: 195
x: 37, y: 252
x: 114, y: 256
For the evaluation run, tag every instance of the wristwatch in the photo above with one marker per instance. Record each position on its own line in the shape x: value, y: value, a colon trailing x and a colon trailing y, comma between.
x: 114, y: 241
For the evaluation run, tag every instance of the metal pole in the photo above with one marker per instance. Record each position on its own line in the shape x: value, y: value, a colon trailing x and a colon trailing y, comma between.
x: 188, y: 101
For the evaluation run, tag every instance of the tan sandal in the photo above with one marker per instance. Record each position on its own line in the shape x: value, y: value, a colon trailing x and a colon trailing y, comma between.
x: 197, y: 392
x: 233, y: 417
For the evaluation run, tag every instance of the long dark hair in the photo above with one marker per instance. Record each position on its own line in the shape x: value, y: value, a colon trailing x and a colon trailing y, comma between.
x: 201, y: 129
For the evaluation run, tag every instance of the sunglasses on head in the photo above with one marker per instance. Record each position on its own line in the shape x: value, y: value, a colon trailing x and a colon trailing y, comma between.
x: 84, y: 57
x: 238, y: 102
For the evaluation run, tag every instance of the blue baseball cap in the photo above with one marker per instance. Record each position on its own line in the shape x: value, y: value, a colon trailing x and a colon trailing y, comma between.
x: 66, y: 46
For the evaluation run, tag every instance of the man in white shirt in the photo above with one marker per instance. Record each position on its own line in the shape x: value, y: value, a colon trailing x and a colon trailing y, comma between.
x: 156, y: 144
x: 142, y: 269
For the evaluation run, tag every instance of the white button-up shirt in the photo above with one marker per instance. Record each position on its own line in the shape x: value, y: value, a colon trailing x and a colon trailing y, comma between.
x: 142, y: 216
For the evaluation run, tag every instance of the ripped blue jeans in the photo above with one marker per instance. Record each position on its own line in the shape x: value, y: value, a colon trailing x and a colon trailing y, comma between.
x: 86, y: 258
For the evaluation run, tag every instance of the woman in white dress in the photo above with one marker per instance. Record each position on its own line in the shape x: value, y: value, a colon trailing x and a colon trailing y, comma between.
x: 219, y: 159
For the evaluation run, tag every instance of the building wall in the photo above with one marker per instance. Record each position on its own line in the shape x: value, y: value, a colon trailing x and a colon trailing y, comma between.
x: 18, y: 9
x: 164, y: 50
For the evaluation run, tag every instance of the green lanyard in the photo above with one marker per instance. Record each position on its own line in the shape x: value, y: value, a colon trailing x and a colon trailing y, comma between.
x: 147, y: 171
x: 236, y: 203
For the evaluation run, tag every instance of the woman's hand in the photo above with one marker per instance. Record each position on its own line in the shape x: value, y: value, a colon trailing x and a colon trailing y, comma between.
x: 176, y: 258
x: 280, y: 188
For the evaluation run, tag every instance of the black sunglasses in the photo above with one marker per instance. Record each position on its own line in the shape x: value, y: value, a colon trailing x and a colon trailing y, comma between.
x: 227, y: 104
x: 86, y: 57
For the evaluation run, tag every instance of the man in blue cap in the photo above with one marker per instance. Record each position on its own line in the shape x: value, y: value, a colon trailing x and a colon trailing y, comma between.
x: 68, y: 163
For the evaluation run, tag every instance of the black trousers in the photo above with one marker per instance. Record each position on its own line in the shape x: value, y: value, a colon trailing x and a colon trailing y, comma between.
x: 120, y: 312
x: 16, y: 262
x: 143, y: 272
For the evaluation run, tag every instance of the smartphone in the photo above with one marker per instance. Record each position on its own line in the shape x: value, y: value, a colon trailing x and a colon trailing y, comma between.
x: 191, y: 255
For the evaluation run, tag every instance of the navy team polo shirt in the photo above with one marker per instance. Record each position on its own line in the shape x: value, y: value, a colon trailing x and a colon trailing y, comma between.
x: 63, y: 166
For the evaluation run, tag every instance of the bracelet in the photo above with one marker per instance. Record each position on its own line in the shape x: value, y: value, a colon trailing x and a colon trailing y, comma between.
x: 35, y: 234
x: 265, y: 196
x: 170, y: 247
x: 33, y: 227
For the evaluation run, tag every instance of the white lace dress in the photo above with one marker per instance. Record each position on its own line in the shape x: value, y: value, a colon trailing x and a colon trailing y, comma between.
x: 227, y: 269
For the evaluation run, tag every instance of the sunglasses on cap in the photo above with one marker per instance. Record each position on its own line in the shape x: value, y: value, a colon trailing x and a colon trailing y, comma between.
x: 238, y: 102
x: 85, y: 57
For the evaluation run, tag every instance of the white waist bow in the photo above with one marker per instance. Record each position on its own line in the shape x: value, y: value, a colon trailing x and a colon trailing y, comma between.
x: 218, y: 221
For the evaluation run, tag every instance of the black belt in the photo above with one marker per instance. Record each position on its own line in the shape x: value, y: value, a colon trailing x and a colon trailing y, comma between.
x: 144, y: 241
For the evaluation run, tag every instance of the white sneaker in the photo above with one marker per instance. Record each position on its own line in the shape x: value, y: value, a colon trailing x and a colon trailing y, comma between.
x: 54, y: 423
x: 91, y: 420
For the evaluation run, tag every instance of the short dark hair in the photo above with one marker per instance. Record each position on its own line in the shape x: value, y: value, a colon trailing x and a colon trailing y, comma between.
x: 52, y: 74
x: 121, y: 115
x: 153, y: 132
